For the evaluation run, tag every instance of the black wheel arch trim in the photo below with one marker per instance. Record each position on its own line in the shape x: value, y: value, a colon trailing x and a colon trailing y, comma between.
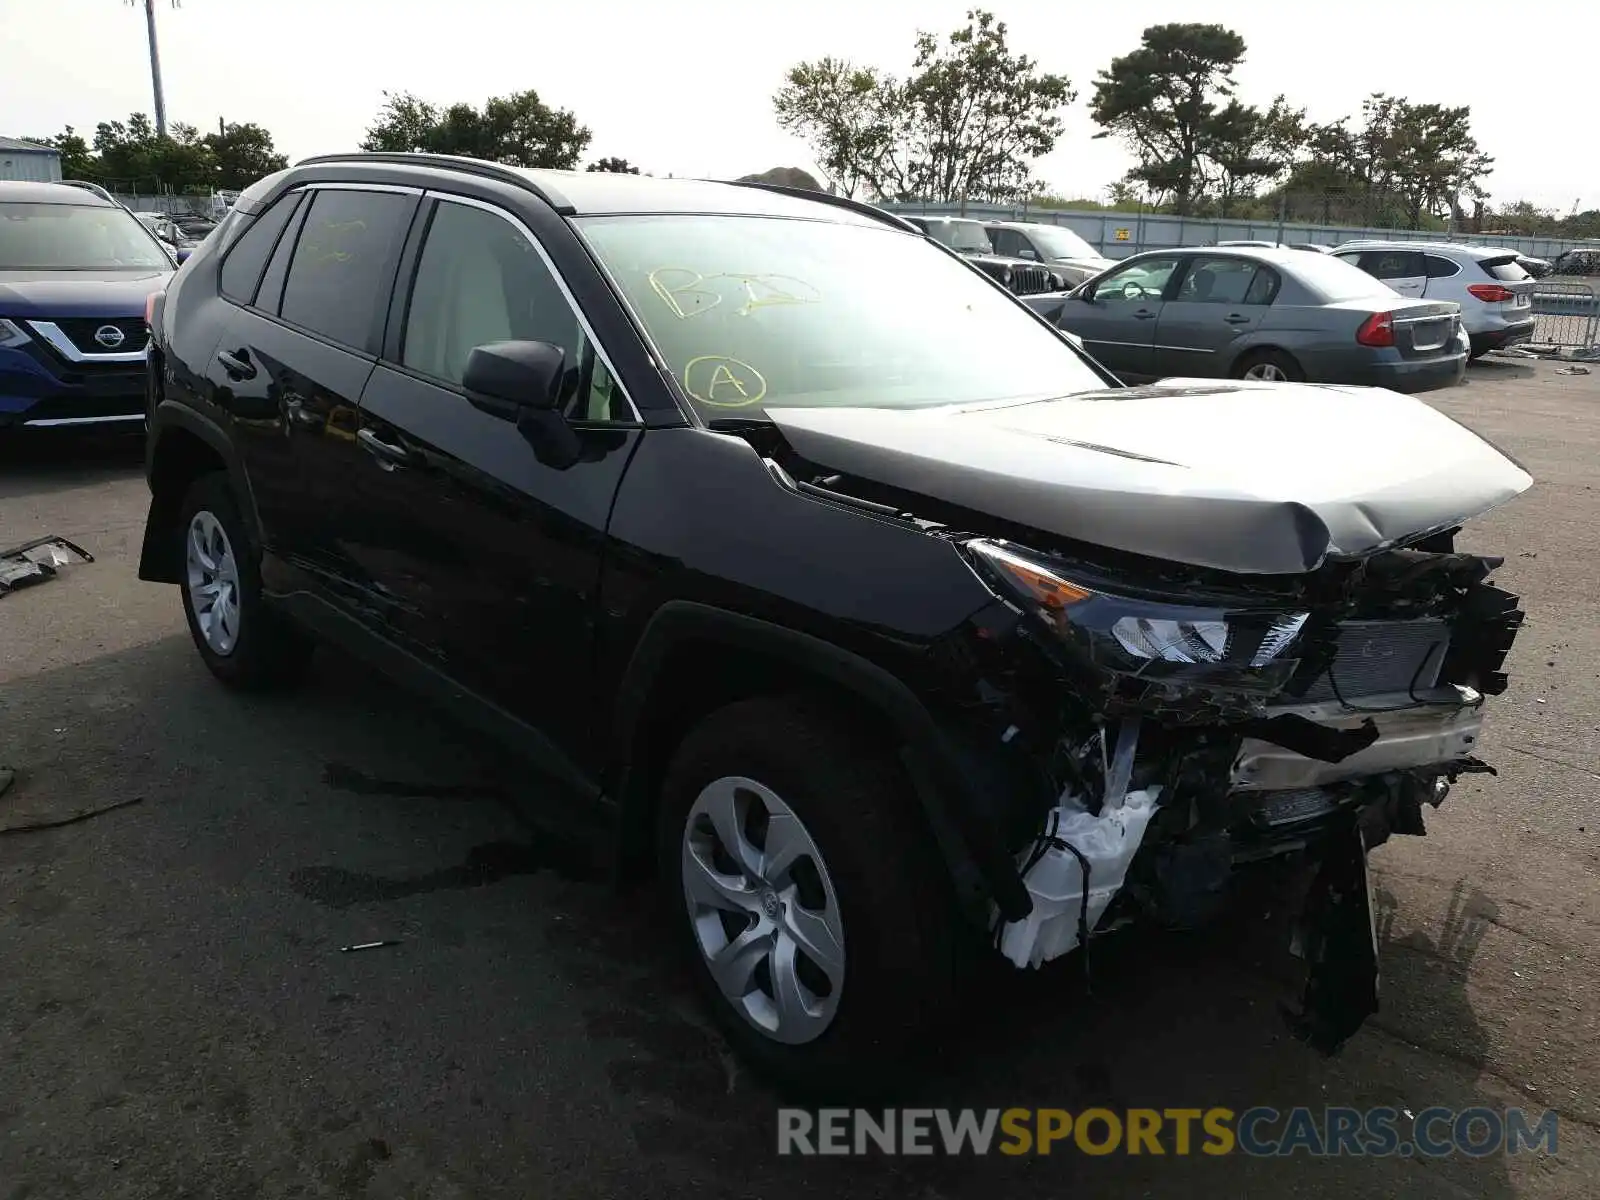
x: 980, y: 867
x: 170, y: 415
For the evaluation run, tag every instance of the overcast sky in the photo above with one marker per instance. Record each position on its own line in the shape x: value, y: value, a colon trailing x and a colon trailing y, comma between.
x: 686, y: 87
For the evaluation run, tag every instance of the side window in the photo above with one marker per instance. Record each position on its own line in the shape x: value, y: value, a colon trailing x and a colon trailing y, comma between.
x: 270, y: 293
x: 1264, y: 287
x: 343, y: 265
x: 1439, y: 268
x: 1392, y: 264
x: 1217, y: 281
x: 480, y: 280
x: 1143, y: 281
x: 247, y: 257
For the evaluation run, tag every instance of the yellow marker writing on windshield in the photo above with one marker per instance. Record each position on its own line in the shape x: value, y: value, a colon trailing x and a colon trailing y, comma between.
x: 723, y: 382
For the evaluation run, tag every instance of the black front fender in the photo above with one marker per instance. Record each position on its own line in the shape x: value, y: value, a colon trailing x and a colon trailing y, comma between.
x: 980, y: 867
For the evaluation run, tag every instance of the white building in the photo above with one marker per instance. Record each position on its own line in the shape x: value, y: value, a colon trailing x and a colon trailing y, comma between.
x: 28, y: 161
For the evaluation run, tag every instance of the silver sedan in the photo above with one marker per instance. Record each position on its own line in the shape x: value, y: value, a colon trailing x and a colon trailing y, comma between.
x: 1259, y: 313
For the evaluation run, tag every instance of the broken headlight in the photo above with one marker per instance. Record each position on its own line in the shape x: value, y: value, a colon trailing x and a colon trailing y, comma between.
x: 1239, y: 648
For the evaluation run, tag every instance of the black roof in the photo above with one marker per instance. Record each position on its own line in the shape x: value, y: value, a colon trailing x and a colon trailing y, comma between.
x: 16, y: 191
x: 593, y: 193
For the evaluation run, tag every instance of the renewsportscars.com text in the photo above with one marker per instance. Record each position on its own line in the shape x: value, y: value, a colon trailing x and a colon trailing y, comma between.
x: 1318, y: 1132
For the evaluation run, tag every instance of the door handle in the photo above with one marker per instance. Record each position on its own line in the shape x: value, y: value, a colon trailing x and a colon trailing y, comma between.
x: 389, y: 455
x: 1236, y: 319
x: 1144, y: 314
x: 237, y: 363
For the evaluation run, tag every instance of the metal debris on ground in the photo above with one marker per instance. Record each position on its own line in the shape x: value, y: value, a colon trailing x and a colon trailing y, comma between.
x: 38, y: 560
x: 1572, y: 370
x: 368, y: 946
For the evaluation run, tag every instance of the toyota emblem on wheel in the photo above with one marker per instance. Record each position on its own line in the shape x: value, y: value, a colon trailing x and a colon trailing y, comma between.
x: 109, y: 336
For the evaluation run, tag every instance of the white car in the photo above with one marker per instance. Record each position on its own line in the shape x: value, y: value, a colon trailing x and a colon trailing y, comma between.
x: 1494, y: 292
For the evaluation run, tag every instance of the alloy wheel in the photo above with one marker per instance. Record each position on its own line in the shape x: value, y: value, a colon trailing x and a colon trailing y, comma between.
x: 763, y: 908
x: 212, y: 578
x: 1267, y: 371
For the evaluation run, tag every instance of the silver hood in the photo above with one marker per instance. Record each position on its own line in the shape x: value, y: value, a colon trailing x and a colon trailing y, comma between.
x: 1255, y: 478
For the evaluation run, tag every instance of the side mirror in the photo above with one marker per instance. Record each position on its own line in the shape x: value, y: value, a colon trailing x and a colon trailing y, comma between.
x: 520, y: 382
x: 182, y: 253
x: 1028, y: 253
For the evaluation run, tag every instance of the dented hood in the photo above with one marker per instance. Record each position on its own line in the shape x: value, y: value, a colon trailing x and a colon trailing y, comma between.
x: 1257, y: 478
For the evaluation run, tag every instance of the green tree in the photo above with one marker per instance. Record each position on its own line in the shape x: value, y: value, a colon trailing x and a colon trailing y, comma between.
x: 616, y: 166
x: 1245, y: 147
x: 967, y: 123
x: 981, y: 115
x: 132, y: 156
x: 1162, y: 99
x: 855, y: 121
x: 242, y: 154
x: 519, y: 129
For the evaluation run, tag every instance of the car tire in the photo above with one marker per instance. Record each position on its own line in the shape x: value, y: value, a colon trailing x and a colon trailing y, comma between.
x: 855, y: 923
x: 1268, y: 365
x: 243, y: 642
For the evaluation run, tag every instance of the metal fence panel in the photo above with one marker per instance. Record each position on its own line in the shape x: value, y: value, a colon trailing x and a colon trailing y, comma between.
x: 1119, y: 234
x: 1565, y: 315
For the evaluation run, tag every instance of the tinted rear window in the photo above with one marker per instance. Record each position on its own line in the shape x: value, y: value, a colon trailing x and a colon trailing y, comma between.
x: 344, y: 263
x: 1507, y: 270
x: 1334, y: 279
x: 241, y: 270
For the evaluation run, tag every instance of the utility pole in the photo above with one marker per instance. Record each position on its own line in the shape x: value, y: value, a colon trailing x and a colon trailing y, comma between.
x: 155, y: 67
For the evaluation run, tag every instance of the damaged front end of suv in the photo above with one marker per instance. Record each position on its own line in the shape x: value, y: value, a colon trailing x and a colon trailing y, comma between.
x: 1195, y: 677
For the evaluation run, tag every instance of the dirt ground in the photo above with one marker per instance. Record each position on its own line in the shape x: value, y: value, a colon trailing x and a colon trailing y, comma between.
x: 176, y: 1018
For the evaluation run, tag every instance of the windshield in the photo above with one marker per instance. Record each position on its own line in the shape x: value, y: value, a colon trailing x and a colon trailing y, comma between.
x: 75, y: 237
x: 968, y: 237
x: 1061, y: 243
x: 757, y: 312
x: 1335, y: 279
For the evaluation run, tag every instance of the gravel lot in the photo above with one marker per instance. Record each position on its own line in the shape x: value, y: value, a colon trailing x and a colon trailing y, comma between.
x: 176, y: 1019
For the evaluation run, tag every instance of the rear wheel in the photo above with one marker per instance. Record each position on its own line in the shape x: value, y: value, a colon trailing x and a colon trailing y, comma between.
x: 242, y: 642
x: 804, y: 881
x: 1271, y: 366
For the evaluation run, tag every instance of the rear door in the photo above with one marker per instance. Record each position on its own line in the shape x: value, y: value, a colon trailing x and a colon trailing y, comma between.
x: 290, y: 368
x: 494, y: 555
x: 1218, y: 300
x: 1403, y: 270
x: 1117, y: 318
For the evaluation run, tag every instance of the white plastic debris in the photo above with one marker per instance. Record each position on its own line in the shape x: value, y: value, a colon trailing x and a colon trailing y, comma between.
x: 1107, y: 843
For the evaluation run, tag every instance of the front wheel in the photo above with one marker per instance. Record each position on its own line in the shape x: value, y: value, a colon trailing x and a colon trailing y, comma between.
x: 804, y: 880
x: 1270, y: 366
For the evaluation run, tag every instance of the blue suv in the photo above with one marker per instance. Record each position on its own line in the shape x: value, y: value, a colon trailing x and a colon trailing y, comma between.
x: 76, y: 271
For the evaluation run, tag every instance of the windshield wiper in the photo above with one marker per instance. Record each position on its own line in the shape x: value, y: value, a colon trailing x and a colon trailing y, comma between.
x: 738, y: 424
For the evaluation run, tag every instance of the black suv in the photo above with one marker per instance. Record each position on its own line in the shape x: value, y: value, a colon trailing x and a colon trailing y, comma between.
x: 886, y: 641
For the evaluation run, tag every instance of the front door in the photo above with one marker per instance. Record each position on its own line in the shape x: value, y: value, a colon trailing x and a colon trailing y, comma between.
x: 1117, y: 321
x: 496, y: 555
x: 1218, y: 300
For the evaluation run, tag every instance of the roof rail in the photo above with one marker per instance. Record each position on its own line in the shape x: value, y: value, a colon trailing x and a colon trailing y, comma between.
x: 449, y: 162
x: 91, y: 187
x: 855, y: 206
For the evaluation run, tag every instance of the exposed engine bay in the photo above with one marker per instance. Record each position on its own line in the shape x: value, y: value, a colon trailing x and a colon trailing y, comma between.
x: 1185, y: 725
